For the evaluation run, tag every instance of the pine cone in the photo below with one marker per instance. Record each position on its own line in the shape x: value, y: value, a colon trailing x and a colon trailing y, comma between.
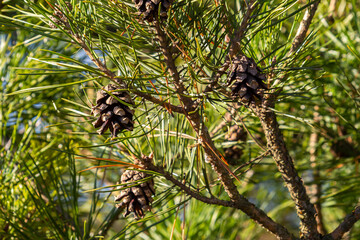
x: 233, y: 153
x: 245, y: 79
x: 150, y: 8
x: 137, y: 199
x: 111, y: 113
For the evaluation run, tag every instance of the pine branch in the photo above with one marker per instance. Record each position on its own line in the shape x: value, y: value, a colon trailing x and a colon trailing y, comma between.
x: 173, y: 108
x: 111, y: 75
x: 235, y: 43
x: 345, y: 226
x: 299, y: 37
x: 180, y: 88
x: 250, y: 209
x: 195, y: 120
x: 304, y: 27
x: 276, y: 144
x: 102, y: 67
x: 108, y: 73
x: 210, y: 150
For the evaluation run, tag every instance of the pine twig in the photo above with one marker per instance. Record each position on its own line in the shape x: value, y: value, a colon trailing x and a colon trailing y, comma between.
x: 162, y: 103
x: 345, y: 226
x: 195, y: 119
x: 260, y: 157
x: 299, y: 37
x: 108, y: 73
x: 235, y: 43
x: 276, y: 144
x: 304, y: 27
x: 162, y: 39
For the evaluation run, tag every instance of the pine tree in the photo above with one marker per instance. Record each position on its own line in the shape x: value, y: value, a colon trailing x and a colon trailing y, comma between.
x: 214, y: 115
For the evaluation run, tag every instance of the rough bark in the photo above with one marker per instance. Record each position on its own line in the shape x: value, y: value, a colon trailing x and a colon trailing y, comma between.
x: 275, y: 141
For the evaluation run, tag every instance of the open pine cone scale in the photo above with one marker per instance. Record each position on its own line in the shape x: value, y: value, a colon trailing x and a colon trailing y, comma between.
x: 138, y: 197
x: 111, y: 113
x: 246, y: 79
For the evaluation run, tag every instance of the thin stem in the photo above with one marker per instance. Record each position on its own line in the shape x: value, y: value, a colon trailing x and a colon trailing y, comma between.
x: 235, y: 42
x: 177, y: 109
x: 299, y: 38
x: 108, y: 73
x: 258, y: 158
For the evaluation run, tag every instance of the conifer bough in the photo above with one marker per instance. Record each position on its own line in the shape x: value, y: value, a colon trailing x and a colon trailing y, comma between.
x: 111, y: 113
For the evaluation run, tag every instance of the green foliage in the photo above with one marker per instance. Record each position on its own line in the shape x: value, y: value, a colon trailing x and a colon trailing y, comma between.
x: 48, y: 88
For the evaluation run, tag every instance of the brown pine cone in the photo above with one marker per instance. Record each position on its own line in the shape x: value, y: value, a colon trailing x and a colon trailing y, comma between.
x: 150, y: 8
x: 136, y: 199
x: 113, y: 114
x: 234, y: 153
x: 246, y: 80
